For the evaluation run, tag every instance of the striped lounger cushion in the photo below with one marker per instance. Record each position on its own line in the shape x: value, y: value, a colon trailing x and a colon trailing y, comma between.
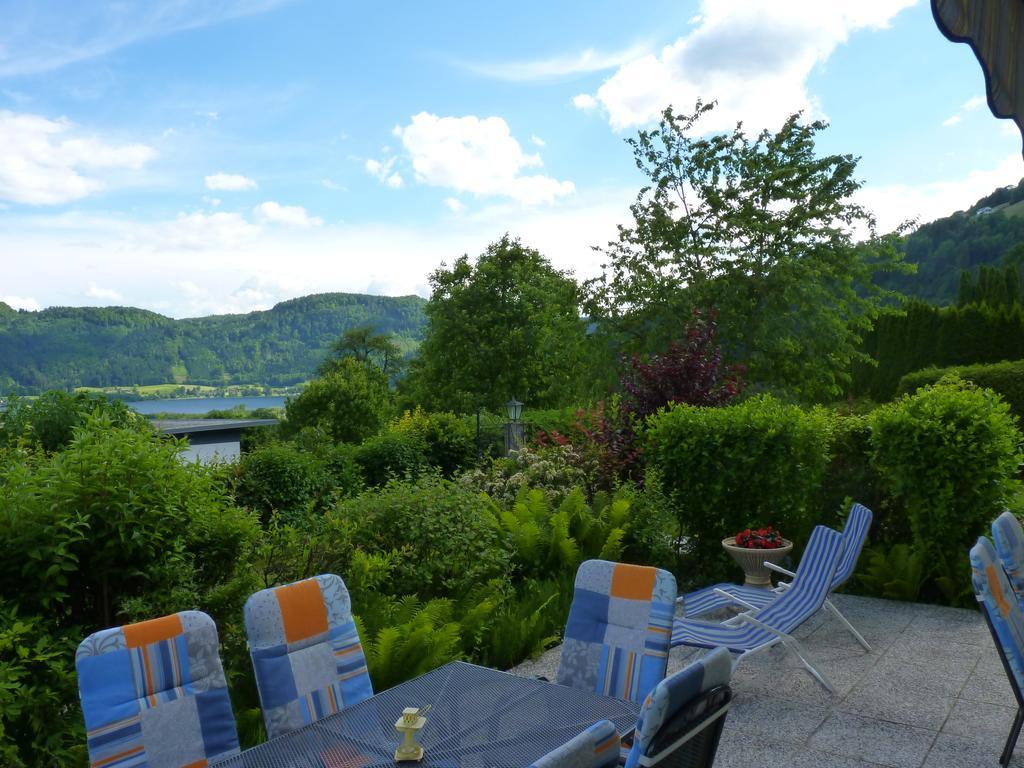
x: 596, y: 747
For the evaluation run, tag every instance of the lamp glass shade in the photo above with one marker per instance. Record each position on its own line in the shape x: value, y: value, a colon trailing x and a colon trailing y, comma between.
x: 514, y: 409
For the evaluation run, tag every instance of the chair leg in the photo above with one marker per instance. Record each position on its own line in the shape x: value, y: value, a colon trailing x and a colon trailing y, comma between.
x: 1011, y: 742
x: 857, y: 635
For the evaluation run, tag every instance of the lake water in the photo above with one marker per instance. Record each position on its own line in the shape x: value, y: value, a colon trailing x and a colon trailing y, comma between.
x: 204, y: 404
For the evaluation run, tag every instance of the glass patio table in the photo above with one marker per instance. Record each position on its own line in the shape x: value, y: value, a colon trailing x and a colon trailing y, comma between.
x: 479, y: 718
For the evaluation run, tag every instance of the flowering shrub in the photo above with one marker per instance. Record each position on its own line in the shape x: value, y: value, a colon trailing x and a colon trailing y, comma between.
x: 554, y: 470
x: 759, y: 538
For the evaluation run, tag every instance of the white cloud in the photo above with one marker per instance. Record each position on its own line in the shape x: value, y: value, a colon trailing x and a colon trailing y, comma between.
x: 332, y: 185
x: 106, y: 294
x: 974, y: 102
x: 753, y: 56
x: 289, y: 215
x: 538, y: 141
x: 895, y: 203
x: 46, y: 162
x: 584, y: 101
x: 470, y: 154
x: 229, y: 182
x: 453, y: 204
x: 212, y: 201
x: 581, y: 63
x: 951, y: 120
x: 21, y: 302
x: 381, y: 170
x: 198, y: 231
x: 35, y: 38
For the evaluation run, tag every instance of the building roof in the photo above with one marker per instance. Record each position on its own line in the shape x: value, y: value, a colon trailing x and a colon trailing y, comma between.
x: 188, y: 426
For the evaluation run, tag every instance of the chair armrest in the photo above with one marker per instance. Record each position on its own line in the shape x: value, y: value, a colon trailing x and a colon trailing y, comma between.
x: 779, y: 569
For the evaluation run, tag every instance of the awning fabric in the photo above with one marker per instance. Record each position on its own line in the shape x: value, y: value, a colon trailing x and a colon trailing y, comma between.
x: 995, y: 31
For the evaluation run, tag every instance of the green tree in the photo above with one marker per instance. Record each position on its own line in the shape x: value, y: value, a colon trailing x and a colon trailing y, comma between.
x: 507, y: 325
x: 350, y: 403
x: 366, y: 346
x: 762, y: 229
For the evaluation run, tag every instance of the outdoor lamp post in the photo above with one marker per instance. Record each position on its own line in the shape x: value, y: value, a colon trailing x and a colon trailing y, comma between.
x: 515, y: 432
x: 514, y: 409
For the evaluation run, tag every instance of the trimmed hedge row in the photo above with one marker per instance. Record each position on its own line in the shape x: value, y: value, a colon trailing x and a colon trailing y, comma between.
x: 1006, y: 378
x: 936, y: 467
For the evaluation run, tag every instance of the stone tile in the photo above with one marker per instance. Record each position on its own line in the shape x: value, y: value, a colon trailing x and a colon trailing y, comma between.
x: 876, y: 741
x: 988, y: 686
x: 920, y: 675
x: 894, y: 701
x: 943, y: 654
x: 815, y: 758
x: 950, y: 631
x: 770, y: 718
x: 741, y: 750
x: 951, y: 751
x: 979, y: 720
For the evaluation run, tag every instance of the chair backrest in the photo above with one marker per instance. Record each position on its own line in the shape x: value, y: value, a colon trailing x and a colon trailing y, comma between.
x: 305, y: 652
x: 810, y: 586
x: 669, y: 699
x: 154, y: 693
x: 1006, y: 620
x: 855, y: 533
x: 596, y: 747
x: 1009, y: 540
x: 620, y: 625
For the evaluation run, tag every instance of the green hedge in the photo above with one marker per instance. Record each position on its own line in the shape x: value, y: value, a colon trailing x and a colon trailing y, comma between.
x: 1006, y: 378
x: 950, y: 454
x: 756, y: 463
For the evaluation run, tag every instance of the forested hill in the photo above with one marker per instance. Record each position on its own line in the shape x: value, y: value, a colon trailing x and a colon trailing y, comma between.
x: 990, y: 232
x: 65, y: 347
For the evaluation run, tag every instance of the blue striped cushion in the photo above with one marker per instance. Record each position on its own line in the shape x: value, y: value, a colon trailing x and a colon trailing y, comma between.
x: 1009, y: 540
x: 154, y: 694
x: 795, y: 605
x: 674, y: 693
x: 305, y: 652
x: 596, y: 747
x: 617, y: 636
x: 993, y: 591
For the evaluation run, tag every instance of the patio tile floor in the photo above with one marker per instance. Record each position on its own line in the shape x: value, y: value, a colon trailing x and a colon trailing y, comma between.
x: 932, y: 693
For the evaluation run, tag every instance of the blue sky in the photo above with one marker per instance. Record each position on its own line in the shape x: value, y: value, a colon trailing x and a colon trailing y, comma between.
x: 207, y: 156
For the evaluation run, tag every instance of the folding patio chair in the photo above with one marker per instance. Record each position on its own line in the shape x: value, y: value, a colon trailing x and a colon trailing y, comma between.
x: 596, y: 747
x: 854, y: 533
x: 305, y: 652
x: 617, y: 636
x: 1009, y: 540
x: 1005, y: 621
x: 154, y: 693
x: 749, y: 633
x: 681, y: 720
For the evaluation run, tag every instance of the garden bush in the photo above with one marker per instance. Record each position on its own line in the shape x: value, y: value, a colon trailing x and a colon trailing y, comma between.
x: 448, y: 442
x: 350, y: 403
x: 949, y: 454
x: 391, y: 455
x: 446, y: 535
x: 51, y: 418
x: 1006, y: 378
x: 756, y: 463
x: 555, y: 470
x: 281, y: 478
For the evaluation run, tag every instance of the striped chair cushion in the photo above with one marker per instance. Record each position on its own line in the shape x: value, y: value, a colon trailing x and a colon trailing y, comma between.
x: 855, y: 533
x: 305, y: 652
x: 993, y: 591
x: 674, y: 693
x: 617, y: 636
x: 596, y: 747
x: 154, y: 694
x: 1009, y: 540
